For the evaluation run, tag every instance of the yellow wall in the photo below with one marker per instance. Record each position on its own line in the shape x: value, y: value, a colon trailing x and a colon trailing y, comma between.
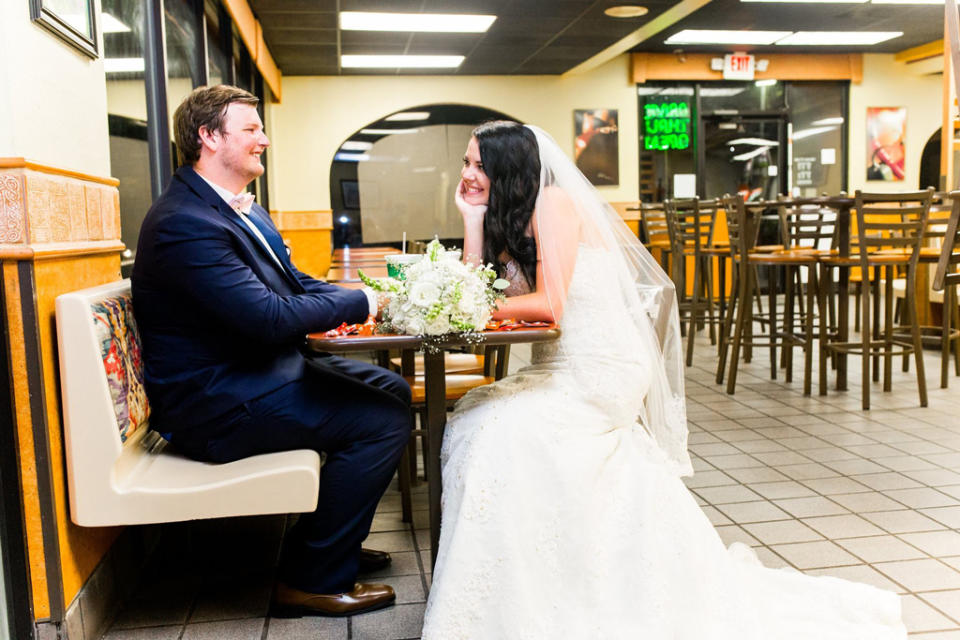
x: 887, y: 83
x: 53, y: 104
x: 319, y: 112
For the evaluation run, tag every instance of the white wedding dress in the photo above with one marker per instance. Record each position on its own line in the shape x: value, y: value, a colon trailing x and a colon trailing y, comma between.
x: 564, y: 520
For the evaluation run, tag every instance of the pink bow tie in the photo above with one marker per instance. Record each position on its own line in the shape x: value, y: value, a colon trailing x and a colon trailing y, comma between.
x: 242, y: 202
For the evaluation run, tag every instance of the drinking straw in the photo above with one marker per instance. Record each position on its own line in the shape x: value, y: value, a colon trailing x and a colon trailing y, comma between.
x: 404, y: 247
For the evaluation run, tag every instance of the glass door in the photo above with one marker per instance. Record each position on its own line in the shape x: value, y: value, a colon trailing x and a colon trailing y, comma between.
x: 742, y: 154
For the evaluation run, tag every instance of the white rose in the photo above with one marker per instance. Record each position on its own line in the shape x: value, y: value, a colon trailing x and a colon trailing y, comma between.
x: 414, y: 326
x: 438, y: 326
x: 424, y: 293
x: 468, y: 303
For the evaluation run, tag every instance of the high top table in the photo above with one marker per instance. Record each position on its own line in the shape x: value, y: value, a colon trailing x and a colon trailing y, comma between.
x: 435, y: 389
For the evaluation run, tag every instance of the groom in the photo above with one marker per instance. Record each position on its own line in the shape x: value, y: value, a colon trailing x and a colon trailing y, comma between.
x: 222, y: 313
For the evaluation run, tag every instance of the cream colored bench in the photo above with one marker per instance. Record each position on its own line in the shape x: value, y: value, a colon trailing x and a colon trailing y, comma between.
x: 119, y: 471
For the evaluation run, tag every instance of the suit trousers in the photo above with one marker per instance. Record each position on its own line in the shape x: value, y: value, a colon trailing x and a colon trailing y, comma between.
x: 356, y: 413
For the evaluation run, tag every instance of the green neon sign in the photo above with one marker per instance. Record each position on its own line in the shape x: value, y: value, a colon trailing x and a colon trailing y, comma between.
x: 666, y: 126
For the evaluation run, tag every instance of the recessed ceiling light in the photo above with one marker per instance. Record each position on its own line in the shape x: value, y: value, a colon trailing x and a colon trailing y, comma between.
x: 386, y: 132
x: 720, y: 36
x: 626, y: 11
x: 110, y: 24
x: 721, y: 92
x: 356, y: 145
x: 766, y: 82
x: 400, y: 62
x: 123, y: 65
x: 436, y: 22
x: 834, y: 38
x: 351, y: 157
x: 757, y: 142
x: 648, y: 91
x: 405, y: 116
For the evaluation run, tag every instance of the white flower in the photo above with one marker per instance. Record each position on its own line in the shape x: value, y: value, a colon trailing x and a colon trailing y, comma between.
x: 424, y: 293
x: 438, y: 326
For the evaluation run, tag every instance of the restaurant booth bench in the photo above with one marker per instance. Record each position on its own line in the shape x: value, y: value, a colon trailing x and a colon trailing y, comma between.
x: 120, y: 472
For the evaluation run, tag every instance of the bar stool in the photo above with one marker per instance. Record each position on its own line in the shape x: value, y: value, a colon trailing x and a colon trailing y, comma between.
x: 946, y: 279
x: 741, y: 226
x: 690, y: 225
x: 890, y: 229
x: 653, y: 223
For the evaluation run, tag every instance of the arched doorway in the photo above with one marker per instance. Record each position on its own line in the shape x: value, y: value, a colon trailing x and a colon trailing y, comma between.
x: 398, y: 174
x: 930, y: 162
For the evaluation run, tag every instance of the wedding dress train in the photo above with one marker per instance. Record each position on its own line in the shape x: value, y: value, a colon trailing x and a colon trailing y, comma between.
x: 564, y: 519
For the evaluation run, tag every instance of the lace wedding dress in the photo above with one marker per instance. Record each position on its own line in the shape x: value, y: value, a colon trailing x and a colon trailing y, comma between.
x: 564, y: 520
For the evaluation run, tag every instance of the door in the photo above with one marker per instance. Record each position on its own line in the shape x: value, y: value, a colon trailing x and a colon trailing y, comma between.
x: 741, y: 154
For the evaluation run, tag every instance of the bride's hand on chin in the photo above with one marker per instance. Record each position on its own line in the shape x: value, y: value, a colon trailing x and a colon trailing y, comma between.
x: 470, y: 212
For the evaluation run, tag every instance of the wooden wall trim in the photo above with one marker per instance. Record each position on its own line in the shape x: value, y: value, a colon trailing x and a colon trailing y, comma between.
x: 59, y: 250
x: 782, y: 66
x: 922, y: 52
x: 22, y: 163
x: 251, y: 32
x: 294, y: 220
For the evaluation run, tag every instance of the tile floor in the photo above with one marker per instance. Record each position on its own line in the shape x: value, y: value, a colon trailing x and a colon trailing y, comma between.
x: 813, y: 483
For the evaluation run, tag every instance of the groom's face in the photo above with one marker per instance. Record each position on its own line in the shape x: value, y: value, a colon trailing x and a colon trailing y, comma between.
x: 476, y: 184
x: 242, y: 141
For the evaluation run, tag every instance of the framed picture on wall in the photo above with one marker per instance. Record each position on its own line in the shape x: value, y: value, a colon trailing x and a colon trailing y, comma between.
x: 886, y: 131
x: 74, y: 21
x: 596, y: 145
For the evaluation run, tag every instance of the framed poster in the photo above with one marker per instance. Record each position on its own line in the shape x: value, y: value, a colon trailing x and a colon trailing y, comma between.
x: 74, y: 21
x: 596, y: 145
x: 886, y: 131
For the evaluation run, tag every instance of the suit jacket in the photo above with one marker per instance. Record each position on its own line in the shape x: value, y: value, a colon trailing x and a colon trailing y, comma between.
x: 220, y: 321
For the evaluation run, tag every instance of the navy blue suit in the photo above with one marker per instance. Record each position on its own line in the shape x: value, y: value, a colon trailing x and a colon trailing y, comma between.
x: 223, y: 326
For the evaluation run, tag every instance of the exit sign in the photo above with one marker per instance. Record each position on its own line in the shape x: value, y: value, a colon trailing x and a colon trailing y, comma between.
x: 738, y: 66
x: 666, y: 125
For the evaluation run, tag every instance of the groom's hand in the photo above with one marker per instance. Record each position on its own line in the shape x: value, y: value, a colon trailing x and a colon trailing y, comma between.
x: 470, y: 212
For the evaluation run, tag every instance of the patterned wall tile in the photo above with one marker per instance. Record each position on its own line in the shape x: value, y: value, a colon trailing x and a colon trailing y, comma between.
x: 12, y: 227
x: 59, y: 210
x: 38, y: 208
x: 94, y: 215
x: 78, y: 211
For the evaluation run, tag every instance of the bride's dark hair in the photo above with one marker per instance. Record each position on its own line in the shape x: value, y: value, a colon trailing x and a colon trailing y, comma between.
x: 511, y: 160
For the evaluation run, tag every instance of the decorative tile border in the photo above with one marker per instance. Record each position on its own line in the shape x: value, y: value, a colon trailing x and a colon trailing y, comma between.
x: 43, y: 205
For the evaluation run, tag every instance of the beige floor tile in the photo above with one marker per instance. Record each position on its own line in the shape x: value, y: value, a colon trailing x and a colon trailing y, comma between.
x: 776, y: 490
x: 782, y: 532
x: 781, y: 458
x: 885, y: 481
x: 907, y: 463
x: 904, y: 521
x: 919, y: 616
x: 934, y: 477
x: 920, y: 575
x: 829, y: 454
x: 770, y: 559
x: 815, y: 555
x: 833, y: 486
x: 842, y: 526
x: 759, y: 446
x: 952, y: 491
x: 855, y: 466
x: 802, y: 443
x: 716, y: 517
x: 807, y: 471
x: 713, y: 478
x: 810, y: 507
x: 732, y: 533
x: 922, y: 497
x: 865, y: 502
x: 948, y: 602
x: 723, y: 495
x: 882, y: 548
x: 713, y: 449
x: 734, y: 461
x: 935, y: 543
x: 859, y: 573
x: 759, y: 511
x: 756, y: 474
x: 949, y: 516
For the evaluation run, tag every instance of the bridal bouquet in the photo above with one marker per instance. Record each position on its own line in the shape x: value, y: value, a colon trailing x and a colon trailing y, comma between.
x: 439, y: 295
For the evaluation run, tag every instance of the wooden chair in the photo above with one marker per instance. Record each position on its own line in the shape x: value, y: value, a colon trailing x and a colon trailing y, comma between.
x: 741, y: 227
x: 890, y: 230
x: 653, y: 223
x: 690, y: 225
x: 945, y: 279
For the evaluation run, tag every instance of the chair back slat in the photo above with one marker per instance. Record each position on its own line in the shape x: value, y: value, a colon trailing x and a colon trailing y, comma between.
x: 947, y: 274
x: 808, y: 226
x: 653, y: 221
x: 892, y: 221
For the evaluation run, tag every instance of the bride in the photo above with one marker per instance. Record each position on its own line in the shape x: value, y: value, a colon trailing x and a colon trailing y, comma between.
x: 564, y: 516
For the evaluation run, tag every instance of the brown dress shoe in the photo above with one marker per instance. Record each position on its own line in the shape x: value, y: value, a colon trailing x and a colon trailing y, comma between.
x: 373, y: 560
x: 289, y: 602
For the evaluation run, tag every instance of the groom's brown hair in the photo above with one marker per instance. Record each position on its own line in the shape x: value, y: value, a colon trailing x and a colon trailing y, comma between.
x: 204, y: 107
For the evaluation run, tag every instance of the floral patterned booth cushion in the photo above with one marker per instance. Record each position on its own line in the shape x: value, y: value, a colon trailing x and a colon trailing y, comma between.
x: 119, y: 342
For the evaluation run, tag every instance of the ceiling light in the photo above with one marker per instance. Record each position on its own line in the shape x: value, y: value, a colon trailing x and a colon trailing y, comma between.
x: 757, y: 142
x: 907, y: 1
x: 719, y: 36
x: 110, y: 24
x: 400, y: 62
x: 405, y: 116
x: 832, y: 38
x: 436, y: 22
x: 351, y: 157
x: 626, y: 11
x: 677, y: 91
x: 720, y: 92
x: 813, y: 131
x: 386, y: 132
x: 750, y: 154
x: 123, y: 65
x: 837, y: 120
x: 356, y: 145
x: 648, y: 91
x: 767, y: 82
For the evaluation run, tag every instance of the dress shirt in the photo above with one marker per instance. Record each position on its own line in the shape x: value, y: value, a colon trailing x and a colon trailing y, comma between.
x: 228, y: 197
